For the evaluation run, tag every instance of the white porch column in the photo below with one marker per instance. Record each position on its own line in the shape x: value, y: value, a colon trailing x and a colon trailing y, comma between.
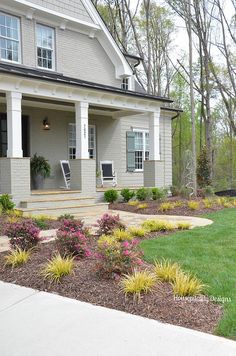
x: 154, y: 135
x: 81, y: 123
x: 14, y: 126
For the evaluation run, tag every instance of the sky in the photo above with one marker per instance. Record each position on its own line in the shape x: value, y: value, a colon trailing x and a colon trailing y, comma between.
x: 181, y: 38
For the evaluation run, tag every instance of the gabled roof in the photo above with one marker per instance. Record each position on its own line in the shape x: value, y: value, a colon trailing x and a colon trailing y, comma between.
x: 95, y: 28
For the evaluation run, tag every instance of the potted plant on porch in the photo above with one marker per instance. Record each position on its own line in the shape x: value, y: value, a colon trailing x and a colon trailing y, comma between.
x: 40, y: 169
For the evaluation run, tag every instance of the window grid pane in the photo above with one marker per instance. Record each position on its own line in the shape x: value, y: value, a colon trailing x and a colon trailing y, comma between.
x: 72, y: 141
x: 45, y: 45
x: 141, y: 148
x: 9, y: 38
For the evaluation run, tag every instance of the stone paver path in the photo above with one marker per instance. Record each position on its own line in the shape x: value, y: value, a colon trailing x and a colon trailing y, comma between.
x: 129, y: 219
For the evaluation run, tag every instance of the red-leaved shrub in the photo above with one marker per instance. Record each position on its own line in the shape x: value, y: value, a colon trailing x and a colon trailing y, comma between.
x: 108, y: 223
x: 23, y: 234
x: 72, y: 238
x: 116, y: 258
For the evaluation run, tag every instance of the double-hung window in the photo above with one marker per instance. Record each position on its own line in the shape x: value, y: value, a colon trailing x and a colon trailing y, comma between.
x: 9, y: 38
x: 72, y: 141
x: 45, y: 47
x: 141, y: 148
x: 125, y: 84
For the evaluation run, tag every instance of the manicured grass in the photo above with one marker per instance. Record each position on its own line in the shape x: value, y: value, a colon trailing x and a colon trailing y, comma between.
x: 210, y: 253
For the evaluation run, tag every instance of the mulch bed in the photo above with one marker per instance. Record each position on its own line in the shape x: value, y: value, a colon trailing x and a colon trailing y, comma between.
x: 153, y: 208
x: 85, y: 285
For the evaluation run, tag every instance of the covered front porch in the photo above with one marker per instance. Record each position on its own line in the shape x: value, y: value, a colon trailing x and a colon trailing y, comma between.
x: 85, y: 127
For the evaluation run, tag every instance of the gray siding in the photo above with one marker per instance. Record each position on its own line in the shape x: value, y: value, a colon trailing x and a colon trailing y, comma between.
x: 141, y: 122
x: 76, y: 54
x: 84, y: 58
x: 73, y: 8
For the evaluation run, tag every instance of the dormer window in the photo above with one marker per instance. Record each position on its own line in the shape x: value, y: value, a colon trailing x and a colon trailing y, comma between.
x: 45, y: 47
x: 125, y: 84
x: 9, y: 38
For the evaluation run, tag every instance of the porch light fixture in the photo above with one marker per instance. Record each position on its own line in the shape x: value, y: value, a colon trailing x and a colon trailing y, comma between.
x: 46, y: 124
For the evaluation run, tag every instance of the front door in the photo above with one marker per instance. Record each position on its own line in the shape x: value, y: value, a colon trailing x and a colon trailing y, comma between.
x: 3, y: 135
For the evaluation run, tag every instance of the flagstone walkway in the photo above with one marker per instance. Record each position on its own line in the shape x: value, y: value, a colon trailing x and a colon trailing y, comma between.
x: 129, y: 219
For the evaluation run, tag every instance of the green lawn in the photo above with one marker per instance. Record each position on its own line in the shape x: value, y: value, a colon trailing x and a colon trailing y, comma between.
x: 210, y: 253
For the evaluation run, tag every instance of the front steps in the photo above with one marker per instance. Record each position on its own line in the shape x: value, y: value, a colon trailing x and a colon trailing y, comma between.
x: 61, y: 202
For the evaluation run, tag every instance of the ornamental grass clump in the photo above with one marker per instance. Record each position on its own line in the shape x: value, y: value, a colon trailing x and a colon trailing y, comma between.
x: 17, y: 258
x: 133, y: 203
x: 142, y: 206
x: 157, y: 225
x: 183, y: 226
x: 193, y: 205
x: 186, y: 285
x: 208, y: 203
x: 178, y: 204
x: 108, y: 240
x: 137, y: 231
x: 73, y: 239
x: 23, y: 234
x: 137, y: 283
x: 116, y: 258
x: 166, y: 270
x: 122, y: 235
x: 166, y: 207
x: 108, y: 223
x: 58, y: 267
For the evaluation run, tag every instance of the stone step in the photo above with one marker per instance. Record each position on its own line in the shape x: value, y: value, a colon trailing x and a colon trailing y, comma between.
x: 85, y: 209
x: 54, y: 194
x: 56, y: 202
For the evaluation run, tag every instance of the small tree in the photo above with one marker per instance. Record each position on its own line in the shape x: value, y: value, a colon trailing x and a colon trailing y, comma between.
x: 203, y: 169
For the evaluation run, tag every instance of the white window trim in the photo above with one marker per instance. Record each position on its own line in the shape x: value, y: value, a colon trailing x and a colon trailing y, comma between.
x: 144, y: 131
x: 125, y: 86
x: 53, y: 47
x: 95, y: 142
x: 19, y: 30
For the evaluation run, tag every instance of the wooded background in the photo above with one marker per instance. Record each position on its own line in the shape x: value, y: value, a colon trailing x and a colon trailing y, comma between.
x: 200, y: 76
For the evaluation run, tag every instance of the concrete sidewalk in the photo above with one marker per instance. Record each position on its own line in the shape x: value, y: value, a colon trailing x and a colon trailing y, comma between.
x: 36, y: 323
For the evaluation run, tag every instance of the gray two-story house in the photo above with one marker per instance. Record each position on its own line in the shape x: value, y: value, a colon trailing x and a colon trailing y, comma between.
x: 67, y: 92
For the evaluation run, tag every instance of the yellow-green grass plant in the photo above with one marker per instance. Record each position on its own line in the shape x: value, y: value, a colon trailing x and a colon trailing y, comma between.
x: 186, y: 285
x: 108, y: 240
x: 137, y: 231
x: 208, y: 203
x: 58, y: 267
x: 122, y: 235
x: 166, y: 207
x: 178, y: 204
x: 158, y: 225
x: 133, y: 203
x: 142, y: 206
x: 182, y: 225
x: 193, y: 205
x: 138, y: 282
x: 166, y: 270
x: 17, y: 258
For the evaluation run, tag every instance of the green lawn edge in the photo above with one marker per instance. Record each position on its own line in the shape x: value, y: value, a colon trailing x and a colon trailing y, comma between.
x: 209, y: 253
